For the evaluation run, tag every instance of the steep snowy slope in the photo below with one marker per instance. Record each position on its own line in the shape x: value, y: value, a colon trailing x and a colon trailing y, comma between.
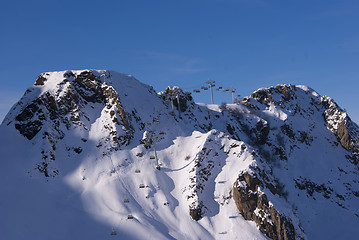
x: 78, y: 161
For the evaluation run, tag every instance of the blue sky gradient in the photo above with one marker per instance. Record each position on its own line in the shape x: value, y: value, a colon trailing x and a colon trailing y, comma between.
x: 246, y: 44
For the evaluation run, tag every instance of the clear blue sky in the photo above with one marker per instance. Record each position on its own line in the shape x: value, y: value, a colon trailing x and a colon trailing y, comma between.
x: 245, y: 44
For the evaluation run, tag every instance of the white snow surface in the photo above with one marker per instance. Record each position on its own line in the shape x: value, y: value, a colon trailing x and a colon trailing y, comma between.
x: 108, y: 187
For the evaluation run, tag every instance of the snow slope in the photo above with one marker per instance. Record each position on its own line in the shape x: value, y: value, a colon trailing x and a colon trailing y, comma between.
x: 78, y: 162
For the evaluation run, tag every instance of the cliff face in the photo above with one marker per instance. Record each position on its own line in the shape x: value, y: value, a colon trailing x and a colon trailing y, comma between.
x: 341, y: 125
x: 277, y: 165
x: 253, y: 205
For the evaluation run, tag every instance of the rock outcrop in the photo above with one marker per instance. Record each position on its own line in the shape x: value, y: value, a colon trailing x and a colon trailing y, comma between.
x: 253, y: 204
x: 66, y: 105
x: 341, y: 125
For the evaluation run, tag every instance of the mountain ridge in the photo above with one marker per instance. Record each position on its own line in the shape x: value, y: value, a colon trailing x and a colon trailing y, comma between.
x: 257, y: 164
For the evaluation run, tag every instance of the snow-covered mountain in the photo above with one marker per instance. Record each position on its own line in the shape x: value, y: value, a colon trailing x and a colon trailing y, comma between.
x: 98, y: 155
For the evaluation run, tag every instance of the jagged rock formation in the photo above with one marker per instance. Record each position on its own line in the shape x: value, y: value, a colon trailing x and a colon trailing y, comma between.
x: 65, y: 104
x: 177, y: 98
x: 277, y: 164
x: 341, y: 125
x: 253, y: 205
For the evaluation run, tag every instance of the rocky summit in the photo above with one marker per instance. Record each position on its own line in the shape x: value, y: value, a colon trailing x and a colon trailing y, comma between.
x: 96, y: 154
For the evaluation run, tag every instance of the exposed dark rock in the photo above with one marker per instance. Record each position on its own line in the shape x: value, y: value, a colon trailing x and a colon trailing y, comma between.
x: 112, y: 98
x: 230, y: 129
x: 204, y: 171
x: 69, y: 102
x: 196, y: 213
x: 40, y: 80
x: 30, y: 129
x: 304, y: 137
x: 280, y: 152
x: 175, y: 95
x: 310, y: 187
x: 342, y: 126
x: 83, y: 88
x: 78, y: 150
x: 248, y: 103
x: 344, y: 137
x: 284, y: 90
x: 69, y: 74
x: 88, y: 87
x: 287, y: 130
x: 254, y: 206
x: 27, y: 113
x: 261, y: 131
x: 44, y: 168
x: 263, y: 96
